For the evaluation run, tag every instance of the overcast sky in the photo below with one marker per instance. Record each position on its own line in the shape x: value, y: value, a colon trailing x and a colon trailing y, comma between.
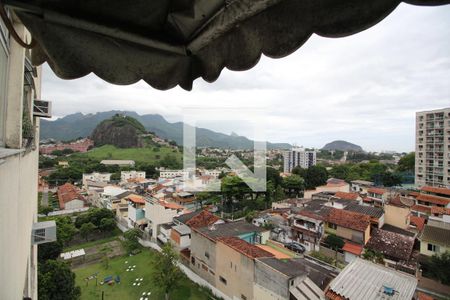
x: 364, y: 88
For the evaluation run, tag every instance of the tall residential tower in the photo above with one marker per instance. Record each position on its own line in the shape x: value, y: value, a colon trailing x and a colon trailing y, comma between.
x: 433, y: 148
x: 299, y: 157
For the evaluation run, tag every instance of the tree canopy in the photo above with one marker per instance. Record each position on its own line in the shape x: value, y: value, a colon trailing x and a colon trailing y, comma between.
x: 166, y: 273
x: 56, y: 281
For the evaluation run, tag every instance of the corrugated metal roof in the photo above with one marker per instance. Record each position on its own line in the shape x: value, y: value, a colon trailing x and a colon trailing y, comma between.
x: 362, y: 279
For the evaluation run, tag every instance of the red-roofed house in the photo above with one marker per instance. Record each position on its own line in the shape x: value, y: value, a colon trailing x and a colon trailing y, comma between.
x: 378, y: 196
x: 432, y: 200
x: 347, y: 196
x: 351, y: 251
x: 307, y: 228
x: 417, y: 223
x: 235, y: 267
x: 440, y: 214
x: 442, y: 192
x: 349, y: 225
x: 136, y: 211
x: 69, y: 197
x: 205, y: 218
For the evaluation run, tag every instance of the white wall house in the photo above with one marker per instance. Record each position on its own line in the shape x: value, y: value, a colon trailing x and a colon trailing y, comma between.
x: 109, y: 192
x: 126, y: 175
x: 96, y: 177
x: 19, y: 136
x: 160, y: 212
x: 173, y: 173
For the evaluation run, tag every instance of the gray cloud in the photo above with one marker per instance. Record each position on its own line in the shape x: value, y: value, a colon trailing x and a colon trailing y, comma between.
x: 364, y: 88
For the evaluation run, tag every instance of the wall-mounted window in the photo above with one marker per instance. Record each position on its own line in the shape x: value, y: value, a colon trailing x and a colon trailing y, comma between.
x: 4, y: 55
x: 223, y: 280
x: 433, y: 248
x: 332, y: 226
x: 207, y: 254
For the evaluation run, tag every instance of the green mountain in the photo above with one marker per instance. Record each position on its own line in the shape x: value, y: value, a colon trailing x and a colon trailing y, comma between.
x: 343, y: 146
x: 81, y: 125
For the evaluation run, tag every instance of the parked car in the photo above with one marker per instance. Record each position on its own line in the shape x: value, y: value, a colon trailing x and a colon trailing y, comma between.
x: 296, y: 247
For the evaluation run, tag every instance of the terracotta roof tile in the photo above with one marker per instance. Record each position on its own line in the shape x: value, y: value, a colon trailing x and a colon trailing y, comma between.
x: 334, y: 182
x: 170, y: 205
x: 440, y: 210
x: 348, y: 219
x: 378, y: 191
x: 436, y: 190
x: 396, y: 201
x: 422, y: 296
x: 421, y: 208
x: 333, y: 296
x: 135, y: 199
x: 245, y: 248
x: 68, y: 192
x: 346, y: 196
x: 203, y: 219
x: 352, y: 248
x: 419, y: 222
x: 433, y: 199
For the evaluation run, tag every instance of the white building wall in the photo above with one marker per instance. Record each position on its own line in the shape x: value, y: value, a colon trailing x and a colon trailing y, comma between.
x: 96, y: 177
x: 173, y: 173
x: 432, y: 165
x: 157, y: 215
x: 18, y: 183
x: 74, y: 204
x: 125, y: 175
x: 298, y: 157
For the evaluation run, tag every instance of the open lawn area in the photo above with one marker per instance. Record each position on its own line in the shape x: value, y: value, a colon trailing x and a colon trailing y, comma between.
x: 126, y: 290
x: 151, y: 155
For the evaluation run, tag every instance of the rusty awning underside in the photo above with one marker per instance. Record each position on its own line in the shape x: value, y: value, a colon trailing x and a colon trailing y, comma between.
x: 173, y: 42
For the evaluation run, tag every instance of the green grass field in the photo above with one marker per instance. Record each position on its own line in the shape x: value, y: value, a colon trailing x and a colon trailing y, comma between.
x: 186, y: 290
x: 148, y: 155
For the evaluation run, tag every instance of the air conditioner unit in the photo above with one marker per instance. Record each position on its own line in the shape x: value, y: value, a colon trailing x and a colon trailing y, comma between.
x: 43, y: 232
x: 42, y: 108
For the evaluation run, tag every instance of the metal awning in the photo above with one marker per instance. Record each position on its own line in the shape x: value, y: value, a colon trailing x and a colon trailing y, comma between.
x: 173, y: 42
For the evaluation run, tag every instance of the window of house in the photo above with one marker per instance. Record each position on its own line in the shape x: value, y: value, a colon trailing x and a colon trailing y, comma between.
x: 332, y: 225
x: 433, y: 248
x: 4, y: 54
x: 204, y: 267
x: 243, y: 297
x: 207, y: 254
x: 193, y: 260
x: 223, y: 280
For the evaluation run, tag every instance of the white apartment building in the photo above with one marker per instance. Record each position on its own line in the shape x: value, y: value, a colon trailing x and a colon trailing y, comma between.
x: 433, y: 148
x: 96, y: 177
x: 173, y: 173
x: 20, y: 84
x: 126, y: 175
x: 299, y: 157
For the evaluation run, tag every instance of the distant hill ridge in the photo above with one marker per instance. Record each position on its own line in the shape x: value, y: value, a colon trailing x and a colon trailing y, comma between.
x: 81, y: 125
x: 343, y: 146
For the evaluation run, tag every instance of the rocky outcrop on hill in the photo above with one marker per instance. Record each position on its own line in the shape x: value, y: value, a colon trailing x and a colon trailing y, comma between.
x: 120, y: 131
